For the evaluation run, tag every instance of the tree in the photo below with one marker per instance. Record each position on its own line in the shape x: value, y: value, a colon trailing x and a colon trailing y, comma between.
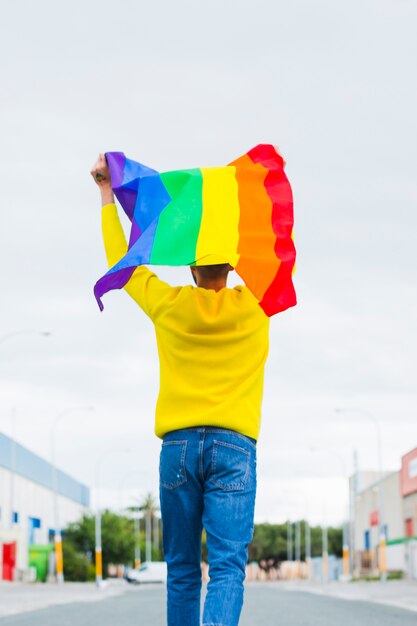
x: 268, y: 546
x: 149, y: 505
x: 117, y: 538
x: 335, y: 541
x: 269, y: 543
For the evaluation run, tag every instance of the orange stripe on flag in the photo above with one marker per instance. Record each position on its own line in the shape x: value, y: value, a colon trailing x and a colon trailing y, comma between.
x: 258, y: 262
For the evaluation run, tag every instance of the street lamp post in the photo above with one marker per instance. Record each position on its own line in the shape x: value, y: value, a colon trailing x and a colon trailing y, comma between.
x: 289, y: 541
x: 345, y: 548
x: 298, y: 548
x: 325, y: 553
x: 24, y: 332
x: 98, y: 550
x: 54, y: 481
x: 156, y: 532
x: 382, y: 534
x: 308, y: 548
x: 137, y: 542
x: 298, y: 541
x: 137, y: 517
x: 148, y: 520
x: 98, y: 547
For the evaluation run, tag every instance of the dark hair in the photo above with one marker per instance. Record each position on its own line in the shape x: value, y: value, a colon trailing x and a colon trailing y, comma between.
x: 213, y: 272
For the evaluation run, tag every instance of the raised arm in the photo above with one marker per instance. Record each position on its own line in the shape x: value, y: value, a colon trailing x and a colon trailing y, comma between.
x: 144, y: 286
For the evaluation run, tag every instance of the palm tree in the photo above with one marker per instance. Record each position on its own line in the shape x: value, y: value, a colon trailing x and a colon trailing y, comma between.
x: 149, y: 507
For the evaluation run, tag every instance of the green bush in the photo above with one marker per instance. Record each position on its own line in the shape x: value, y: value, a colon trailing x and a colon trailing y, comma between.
x: 392, y: 575
x: 77, y: 567
x: 395, y: 575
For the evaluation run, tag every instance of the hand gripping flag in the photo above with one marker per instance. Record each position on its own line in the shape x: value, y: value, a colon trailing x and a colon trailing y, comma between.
x: 240, y: 214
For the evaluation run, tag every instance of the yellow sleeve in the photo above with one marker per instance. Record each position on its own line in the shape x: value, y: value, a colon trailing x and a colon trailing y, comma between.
x: 144, y: 286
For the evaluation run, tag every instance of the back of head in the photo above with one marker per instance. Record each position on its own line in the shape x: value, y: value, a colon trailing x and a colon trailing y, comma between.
x: 214, y: 272
x: 211, y: 276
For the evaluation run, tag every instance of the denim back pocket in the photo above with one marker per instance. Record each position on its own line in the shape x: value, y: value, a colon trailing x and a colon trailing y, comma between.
x: 172, y: 464
x: 230, y: 466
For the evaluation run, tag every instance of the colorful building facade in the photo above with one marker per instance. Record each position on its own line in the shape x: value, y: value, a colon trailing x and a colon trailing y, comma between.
x: 390, y: 503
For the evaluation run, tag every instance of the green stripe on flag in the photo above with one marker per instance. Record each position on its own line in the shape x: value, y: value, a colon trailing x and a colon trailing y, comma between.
x: 179, y: 223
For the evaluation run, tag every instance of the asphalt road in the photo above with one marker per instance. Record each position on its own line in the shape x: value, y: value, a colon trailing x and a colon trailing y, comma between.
x: 265, y: 605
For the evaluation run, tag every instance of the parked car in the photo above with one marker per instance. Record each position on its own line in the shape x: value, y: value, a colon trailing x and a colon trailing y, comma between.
x: 148, y: 572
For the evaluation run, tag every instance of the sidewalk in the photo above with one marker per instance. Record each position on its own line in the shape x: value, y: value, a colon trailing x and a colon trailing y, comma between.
x: 18, y: 598
x: 398, y: 593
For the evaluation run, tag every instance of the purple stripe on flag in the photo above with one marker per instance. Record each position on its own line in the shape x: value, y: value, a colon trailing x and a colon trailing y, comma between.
x: 127, y: 198
x: 116, y: 163
x: 140, y: 252
x: 112, y: 280
x: 135, y: 233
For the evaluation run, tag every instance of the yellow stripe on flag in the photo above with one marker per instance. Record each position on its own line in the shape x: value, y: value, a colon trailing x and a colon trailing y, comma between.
x: 219, y: 234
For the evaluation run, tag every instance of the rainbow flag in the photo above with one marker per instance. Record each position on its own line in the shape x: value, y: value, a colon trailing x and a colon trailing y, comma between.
x: 240, y: 214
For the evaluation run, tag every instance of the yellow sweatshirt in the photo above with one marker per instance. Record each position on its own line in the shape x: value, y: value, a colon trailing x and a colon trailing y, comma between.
x: 212, y: 346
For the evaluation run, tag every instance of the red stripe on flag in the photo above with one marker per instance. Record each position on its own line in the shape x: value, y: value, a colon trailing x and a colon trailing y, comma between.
x: 281, y: 294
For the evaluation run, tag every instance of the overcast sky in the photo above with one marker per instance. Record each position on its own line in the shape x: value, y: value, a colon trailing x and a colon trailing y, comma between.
x: 190, y: 83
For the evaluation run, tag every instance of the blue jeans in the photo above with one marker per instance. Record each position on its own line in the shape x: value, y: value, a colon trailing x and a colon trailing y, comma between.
x: 207, y: 479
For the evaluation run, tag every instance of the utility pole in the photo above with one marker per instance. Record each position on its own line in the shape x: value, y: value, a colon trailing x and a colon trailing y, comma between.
x: 325, y: 555
x: 148, y: 521
x: 156, y: 532
x: 289, y: 541
x: 308, y: 548
x: 298, y: 541
x: 137, y: 542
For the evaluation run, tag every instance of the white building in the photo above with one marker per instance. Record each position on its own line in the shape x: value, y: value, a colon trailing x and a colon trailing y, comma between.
x: 26, y: 504
x: 398, y: 515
